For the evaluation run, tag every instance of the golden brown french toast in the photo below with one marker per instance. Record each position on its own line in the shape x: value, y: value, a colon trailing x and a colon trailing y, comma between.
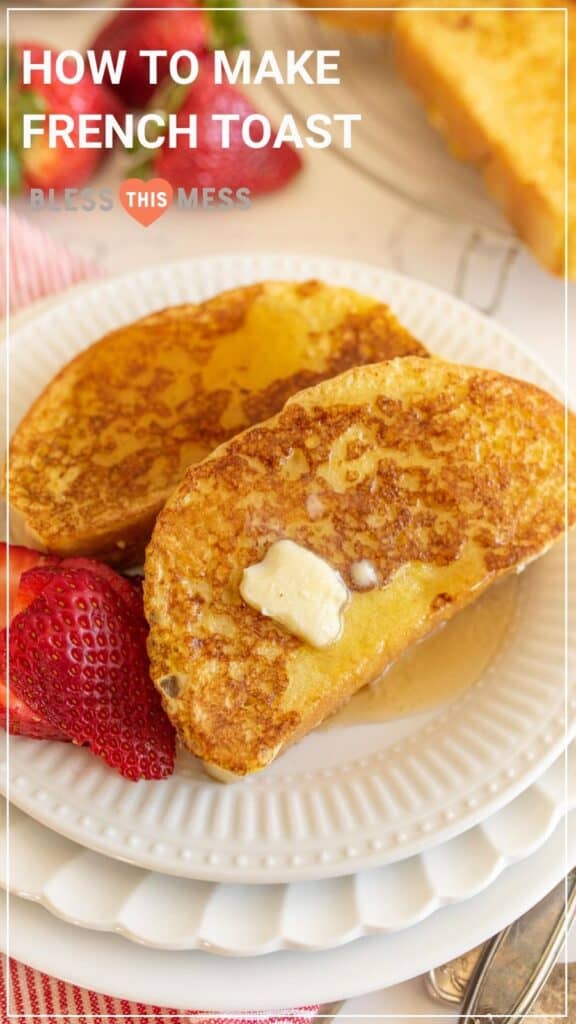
x: 493, y: 84
x: 101, y: 449
x: 416, y: 482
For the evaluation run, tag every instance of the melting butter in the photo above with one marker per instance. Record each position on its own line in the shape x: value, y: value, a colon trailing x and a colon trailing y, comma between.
x: 439, y: 668
x: 299, y: 590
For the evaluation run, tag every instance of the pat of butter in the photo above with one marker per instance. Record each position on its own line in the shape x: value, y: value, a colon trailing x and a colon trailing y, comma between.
x: 364, y: 574
x: 299, y: 590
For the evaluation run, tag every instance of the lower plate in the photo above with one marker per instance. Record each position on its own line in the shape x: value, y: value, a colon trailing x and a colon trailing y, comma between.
x: 164, y: 912
x: 109, y: 964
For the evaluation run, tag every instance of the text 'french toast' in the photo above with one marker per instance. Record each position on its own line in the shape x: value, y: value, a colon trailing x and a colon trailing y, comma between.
x: 417, y: 481
x: 104, y: 445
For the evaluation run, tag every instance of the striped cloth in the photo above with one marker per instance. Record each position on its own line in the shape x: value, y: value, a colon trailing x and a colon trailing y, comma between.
x: 39, y: 266
x: 36, y: 995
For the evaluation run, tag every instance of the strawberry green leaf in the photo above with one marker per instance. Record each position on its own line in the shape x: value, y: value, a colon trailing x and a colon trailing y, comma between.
x: 168, y: 98
x: 31, y: 102
x: 15, y: 104
x: 227, y: 26
x: 10, y: 171
x: 142, y: 169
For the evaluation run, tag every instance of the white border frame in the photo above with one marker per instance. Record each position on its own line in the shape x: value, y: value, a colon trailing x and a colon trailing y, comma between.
x: 394, y: 9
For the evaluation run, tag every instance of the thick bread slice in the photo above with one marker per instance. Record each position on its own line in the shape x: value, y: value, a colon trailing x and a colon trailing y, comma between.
x: 493, y: 84
x: 443, y: 477
x: 99, y: 452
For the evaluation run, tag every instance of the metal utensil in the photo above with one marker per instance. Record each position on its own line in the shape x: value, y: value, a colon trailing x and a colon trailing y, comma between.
x: 503, y: 977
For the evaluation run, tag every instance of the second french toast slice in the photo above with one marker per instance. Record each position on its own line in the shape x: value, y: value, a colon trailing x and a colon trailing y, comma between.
x: 101, y: 449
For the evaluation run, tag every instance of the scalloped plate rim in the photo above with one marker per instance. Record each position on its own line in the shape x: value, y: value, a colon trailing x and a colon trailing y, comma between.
x: 224, y: 984
x: 438, y: 897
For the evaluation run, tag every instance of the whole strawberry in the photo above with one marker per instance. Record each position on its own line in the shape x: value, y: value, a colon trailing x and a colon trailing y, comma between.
x: 170, y: 30
x: 209, y: 165
x: 40, y: 166
x: 78, y: 660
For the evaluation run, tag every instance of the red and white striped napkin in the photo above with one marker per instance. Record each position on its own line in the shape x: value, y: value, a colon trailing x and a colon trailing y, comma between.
x: 39, y: 266
x: 33, y: 994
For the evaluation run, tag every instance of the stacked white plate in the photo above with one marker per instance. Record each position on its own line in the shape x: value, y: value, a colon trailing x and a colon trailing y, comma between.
x: 346, y: 854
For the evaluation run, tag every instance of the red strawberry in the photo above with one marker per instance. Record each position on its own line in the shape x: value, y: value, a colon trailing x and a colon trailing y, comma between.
x: 130, y: 592
x: 33, y: 581
x: 211, y: 166
x: 39, y: 166
x: 193, y: 30
x: 78, y: 659
x: 12, y: 564
x: 22, y: 720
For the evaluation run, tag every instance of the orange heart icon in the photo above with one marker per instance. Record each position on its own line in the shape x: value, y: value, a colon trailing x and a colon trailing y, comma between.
x: 146, y: 201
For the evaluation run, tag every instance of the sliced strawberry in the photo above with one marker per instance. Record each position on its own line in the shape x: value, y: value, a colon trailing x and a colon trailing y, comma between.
x: 130, y: 592
x: 13, y: 563
x: 78, y: 659
x: 21, y: 720
x: 32, y: 583
x: 209, y: 165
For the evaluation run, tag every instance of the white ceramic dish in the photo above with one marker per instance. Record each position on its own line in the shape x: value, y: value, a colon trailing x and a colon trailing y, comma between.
x: 163, y: 912
x: 109, y: 964
x: 326, y: 808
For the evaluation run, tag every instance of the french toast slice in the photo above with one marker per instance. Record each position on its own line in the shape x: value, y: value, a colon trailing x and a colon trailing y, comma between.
x: 492, y: 82
x: 99, y: 452
x: 436, y: 478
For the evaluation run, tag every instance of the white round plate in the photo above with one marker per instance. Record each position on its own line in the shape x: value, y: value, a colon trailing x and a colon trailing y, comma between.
x: 338, y: 802
x: 164, y: 912
x: 109, y: 964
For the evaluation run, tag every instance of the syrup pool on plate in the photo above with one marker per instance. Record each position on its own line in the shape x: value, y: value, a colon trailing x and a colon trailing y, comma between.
x: 441, y: 667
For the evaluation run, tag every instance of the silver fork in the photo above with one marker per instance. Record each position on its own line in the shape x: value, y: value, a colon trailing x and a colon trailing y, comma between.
x: 504, y: 977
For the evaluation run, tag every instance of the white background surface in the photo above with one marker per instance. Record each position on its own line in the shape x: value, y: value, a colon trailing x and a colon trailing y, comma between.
x: 330, y: 209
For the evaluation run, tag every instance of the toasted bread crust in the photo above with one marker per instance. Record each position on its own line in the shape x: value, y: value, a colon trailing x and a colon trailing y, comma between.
x: 493, y: 84
x: 101, y: 449
x: 444, y: 477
